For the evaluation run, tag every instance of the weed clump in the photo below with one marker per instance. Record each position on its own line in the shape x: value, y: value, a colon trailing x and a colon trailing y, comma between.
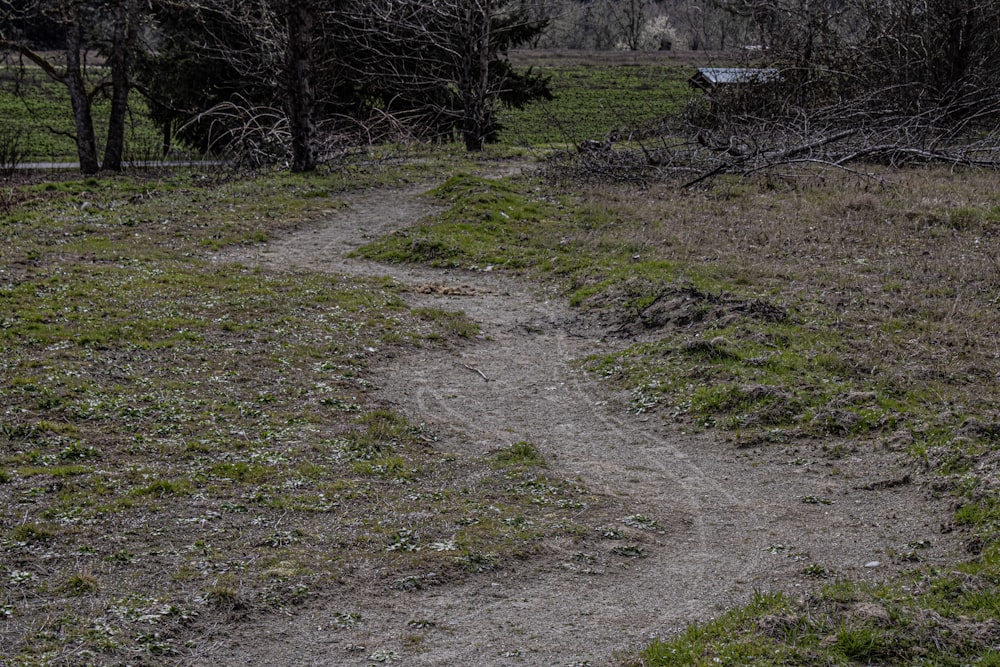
x: 80, y: 584
x: 29, y: 533
x: 521, y: 454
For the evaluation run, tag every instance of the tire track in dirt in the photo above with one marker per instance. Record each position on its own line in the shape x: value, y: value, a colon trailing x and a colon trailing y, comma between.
x: 731, y: 523
x: 536, y: 393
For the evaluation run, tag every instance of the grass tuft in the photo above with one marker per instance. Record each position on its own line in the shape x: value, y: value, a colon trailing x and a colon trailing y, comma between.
x: 520, y: 454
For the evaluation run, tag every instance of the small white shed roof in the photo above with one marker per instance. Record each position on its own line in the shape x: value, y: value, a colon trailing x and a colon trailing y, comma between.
x: 710, y: 77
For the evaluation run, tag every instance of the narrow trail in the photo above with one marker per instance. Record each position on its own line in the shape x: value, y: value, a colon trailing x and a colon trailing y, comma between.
x: 731, y: 522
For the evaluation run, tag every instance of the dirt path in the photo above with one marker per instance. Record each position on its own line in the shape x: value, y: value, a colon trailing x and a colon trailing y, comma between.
x: 730, y: 521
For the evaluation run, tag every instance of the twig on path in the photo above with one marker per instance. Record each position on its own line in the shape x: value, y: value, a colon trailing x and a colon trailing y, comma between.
x: 475, y: 370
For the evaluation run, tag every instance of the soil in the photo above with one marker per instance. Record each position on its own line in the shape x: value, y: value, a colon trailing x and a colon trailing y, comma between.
x: 731, y: 521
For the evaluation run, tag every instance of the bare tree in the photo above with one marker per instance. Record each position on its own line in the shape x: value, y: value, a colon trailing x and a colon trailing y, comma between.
x: 613, y: 24
x: 708, y: 26
x: 798, y: 35
x: 120, y: 59
x: 73, y: 78
x: 441, y: 64
x: 628, y: 18
x: 933, y: 52
x: 81, y: 23
x: 299, y: 25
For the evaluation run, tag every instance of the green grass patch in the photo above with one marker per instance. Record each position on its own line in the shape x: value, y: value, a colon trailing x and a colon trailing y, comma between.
x: 33, y: 532
x: 456, y: 323
x: 591, y: 101
x: 753, y: 377
x: 846, y: 624
x: 36, y: 113
x: 520, y: 454
x: 487, y: 226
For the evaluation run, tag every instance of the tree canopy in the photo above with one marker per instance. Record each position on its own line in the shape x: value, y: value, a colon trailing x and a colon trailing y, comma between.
x: 296, y: 81
x: 273, y: 80
x: 347, y: 71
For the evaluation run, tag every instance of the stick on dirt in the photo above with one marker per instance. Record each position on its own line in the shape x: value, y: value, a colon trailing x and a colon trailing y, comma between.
x: 476, y: 370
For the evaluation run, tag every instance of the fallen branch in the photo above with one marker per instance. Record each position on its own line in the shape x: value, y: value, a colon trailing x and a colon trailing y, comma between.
x: 802, y: 148
x: 771, y: 159
x: 774, y: 136
x: 476, y: 371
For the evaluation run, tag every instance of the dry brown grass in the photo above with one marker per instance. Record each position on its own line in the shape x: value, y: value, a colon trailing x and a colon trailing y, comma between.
x: 910, y: 273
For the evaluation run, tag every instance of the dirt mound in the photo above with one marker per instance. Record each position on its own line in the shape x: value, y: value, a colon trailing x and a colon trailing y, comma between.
x: 638, y: 309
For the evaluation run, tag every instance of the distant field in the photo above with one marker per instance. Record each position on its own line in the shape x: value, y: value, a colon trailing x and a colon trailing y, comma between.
x: 42, y: 121
x: 596, y: 94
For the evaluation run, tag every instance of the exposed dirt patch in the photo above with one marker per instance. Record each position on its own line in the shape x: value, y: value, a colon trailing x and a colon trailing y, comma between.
x: 680, y: 307
x: 705, y: 524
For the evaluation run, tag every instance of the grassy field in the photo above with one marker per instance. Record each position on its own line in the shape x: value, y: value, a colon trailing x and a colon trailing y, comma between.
x: 41, y: 122
x: 592, y: 100
x: 173, y: 434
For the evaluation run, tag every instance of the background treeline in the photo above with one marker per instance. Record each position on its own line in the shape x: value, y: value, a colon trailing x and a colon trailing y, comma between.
x: 267, y: 80
x: 837, y: 83
x: 297, y: 81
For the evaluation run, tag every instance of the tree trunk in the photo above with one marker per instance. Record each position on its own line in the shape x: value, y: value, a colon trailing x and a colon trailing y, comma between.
x: 86, y: 143
x: 477, y: 115
x: 299, y: 22
x: 120, y: 63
